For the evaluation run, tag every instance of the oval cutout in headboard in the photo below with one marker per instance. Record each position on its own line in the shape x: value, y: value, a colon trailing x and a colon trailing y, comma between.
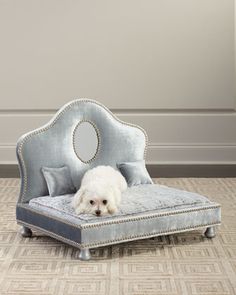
x: 86, y: 141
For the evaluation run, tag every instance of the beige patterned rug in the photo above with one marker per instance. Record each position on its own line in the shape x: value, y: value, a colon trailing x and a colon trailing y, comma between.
x: 182, y: 264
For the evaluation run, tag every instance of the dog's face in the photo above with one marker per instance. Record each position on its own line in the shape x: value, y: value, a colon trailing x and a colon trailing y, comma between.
x: 99, y: 205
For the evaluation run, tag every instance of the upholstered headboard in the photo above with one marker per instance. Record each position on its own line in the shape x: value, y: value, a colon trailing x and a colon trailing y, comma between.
x: 52, y: 145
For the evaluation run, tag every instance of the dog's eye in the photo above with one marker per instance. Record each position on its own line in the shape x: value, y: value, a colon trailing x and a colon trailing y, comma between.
x: 91, y: 202
x: 104, y: 202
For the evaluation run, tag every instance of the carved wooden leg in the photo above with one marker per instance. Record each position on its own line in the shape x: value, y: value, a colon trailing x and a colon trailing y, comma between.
x: 26, y: 232
x: 210, y: 232
x: 84, y: 254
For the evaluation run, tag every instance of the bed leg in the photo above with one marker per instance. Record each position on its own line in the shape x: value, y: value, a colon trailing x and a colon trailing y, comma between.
x: 26, y: 232
x: 210, y: 232
x: 84, y: 254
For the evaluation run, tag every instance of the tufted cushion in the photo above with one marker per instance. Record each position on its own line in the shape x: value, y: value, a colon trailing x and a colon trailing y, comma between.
x: 136, y: 200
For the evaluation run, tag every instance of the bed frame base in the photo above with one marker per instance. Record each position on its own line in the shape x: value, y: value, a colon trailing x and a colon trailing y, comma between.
x: 84, y: 254
x: 26, y: 232
x: 210, y: 232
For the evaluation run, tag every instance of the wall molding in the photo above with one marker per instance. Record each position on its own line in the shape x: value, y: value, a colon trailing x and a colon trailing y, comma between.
x: 156, y: 170
x: 128, y: 111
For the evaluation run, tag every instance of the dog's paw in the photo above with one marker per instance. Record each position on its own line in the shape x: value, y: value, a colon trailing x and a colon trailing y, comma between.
x: 112, y: 210
x: 78, y: 211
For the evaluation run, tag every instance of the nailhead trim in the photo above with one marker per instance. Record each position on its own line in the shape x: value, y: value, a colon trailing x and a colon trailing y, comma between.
x: 50, y: 124
x: 148, y: 235
x: 123, y: 220
x: 98, y: 138
x: 116, y: 241
x: 145, y: 217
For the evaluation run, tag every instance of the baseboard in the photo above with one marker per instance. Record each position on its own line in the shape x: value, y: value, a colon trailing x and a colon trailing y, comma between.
x: 192, y: 170
x: 9, y: 171
x: 155, y: 170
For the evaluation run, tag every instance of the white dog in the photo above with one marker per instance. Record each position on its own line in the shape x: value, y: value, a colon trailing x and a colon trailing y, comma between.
x: 100, y: 191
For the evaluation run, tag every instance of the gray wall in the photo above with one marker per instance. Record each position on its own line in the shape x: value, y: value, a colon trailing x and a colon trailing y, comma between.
x: 167, y: 65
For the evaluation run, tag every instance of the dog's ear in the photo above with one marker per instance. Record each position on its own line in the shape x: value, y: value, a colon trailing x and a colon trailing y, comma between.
x: 113, y: 201
x: 78, y: 197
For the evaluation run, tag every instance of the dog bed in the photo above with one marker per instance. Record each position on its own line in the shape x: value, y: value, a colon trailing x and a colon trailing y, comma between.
x: 146, y: 210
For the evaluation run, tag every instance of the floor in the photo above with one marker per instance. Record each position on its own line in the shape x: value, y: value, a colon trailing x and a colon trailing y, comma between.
x: 182, y: 264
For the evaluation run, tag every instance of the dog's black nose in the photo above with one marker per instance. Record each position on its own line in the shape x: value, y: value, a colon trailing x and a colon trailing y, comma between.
x: 98, y: 212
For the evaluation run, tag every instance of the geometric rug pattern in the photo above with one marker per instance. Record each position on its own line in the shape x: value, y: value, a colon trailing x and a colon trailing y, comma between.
x: 184, y: 264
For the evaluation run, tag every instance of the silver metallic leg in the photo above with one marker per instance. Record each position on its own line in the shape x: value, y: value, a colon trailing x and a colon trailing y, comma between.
x: 26, y: 232
x: 210, y: 232
x: 84, y: 254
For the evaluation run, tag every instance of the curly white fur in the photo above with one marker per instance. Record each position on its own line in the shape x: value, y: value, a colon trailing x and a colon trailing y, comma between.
x: 100, y: 191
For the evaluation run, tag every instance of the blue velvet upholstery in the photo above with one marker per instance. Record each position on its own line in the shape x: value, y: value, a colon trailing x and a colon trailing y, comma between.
x: 58, y: 181
x: 135, y: 173
x: 96, y: 232
x: 146, y: 210
x: 52, y: 145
